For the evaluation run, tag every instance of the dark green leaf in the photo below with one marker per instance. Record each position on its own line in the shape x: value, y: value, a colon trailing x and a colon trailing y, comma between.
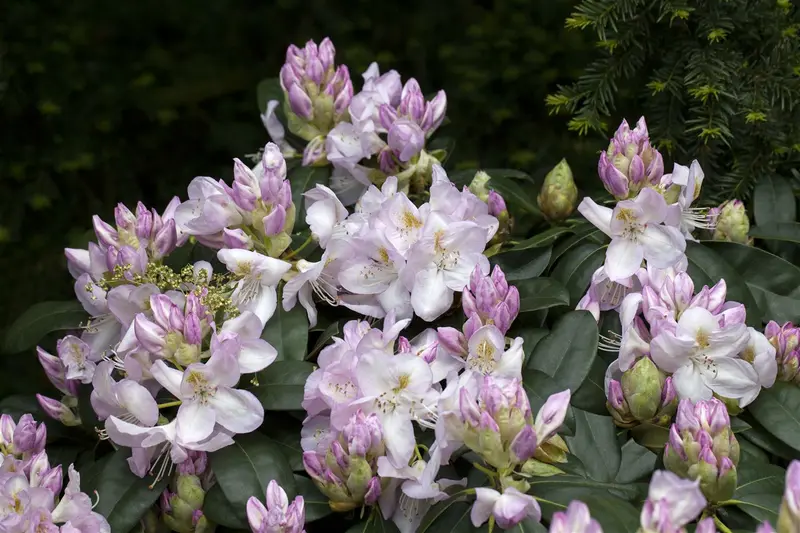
x: 287, y: 332
x: 785, y: 231
x: 449, y: 516
x: 124, y: 497
x: 651, y: 436
x: 778, y: 410
x: 576, y: 267
x: 591, y: 396
x: 766, y: 441
x: 303, y: 179
x: 373, y: 524
x: 523, y: 265
x: 219, y: 510
x: 568, y: 352
x: 775, y: 307
x: 530, y: 338
x: 595, y: 444
x: 707, y: 267
x: 773, y: 200
x: 759, y: 488
x: 331, y: 331
x: 637, y: 463
x: 541, y: 293
x: 280, y: 385
x: 529, y: 525
x: 515, y: 195
x: 546, y: 238
x: 583, y: 234
x: 286, y: 434
x: 269, y: 89
x: 246, y: 467
x: 315, y: 502
x: 39, y: 320
x: 759, y: 267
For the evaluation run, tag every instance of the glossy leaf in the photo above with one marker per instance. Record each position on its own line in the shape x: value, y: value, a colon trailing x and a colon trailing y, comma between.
x: 637, y: 462
x: 524, y: 264
x: 125, y: 497
x: 576, y: 267
x: 287, y: 332
x: 545, y: 238
x: 759, y: 267
x: 778, y: 410
x: 759, y: 488
x: 268, y: 89
x: 220, y: 511
x: 541, y: 293
x: 785, y: 231
x: 539, y: 386
x: 244, y: 469
x: 595, y: 444
x: 707, y: 267
x: 591, y: 395
x: 567, y: 353
x: 773, y: 200
x: 280, y: 385
x: 39, y: 320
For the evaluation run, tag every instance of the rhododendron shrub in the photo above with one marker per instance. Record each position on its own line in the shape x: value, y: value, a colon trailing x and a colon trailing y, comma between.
x: 346, y: 334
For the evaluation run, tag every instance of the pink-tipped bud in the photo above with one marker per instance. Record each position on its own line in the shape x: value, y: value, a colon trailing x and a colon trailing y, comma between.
x: 300, y: 102
x: 7, y: 426
x: 636, y: 170
x: 615, y: 396
x: 487, y: 423
x: 387, y: 115
x: 236, y: 239
x: 52, y: 480
x: 496, y: 204
x: 452, y: 340
x: 106, y: 235
x: 314, y: 152
x: 406, y: 139
x: 468, y: 410
x: 57, y: 410
x: 144, y: 222
x: 192, y: 329
x: 327, y: 53
x: 148, y: 334
x: 668, y: 392
x: 472, y: 325
x: 78, y: 261
x: 124, y: 217
x: 434, y: 113
x: 275, y: 221
x: 373, y: 491
x: 524, y: 444
x: 675, y: 442
x: 501, y: 316
x: 313, y: 465
x: 166, y: 239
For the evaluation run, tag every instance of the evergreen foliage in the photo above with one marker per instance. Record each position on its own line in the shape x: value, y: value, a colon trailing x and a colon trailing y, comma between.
x: 716, y: 79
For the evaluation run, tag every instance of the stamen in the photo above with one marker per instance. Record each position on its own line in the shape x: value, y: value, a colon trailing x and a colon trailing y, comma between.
x: 610, y: 344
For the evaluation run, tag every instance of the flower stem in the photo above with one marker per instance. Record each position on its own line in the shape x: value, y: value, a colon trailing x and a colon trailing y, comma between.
x: 561, y: 505
x: 490, y: 473
x: 292, y: 253
x: 729, y: 502
x: 169, y: 404
x: 722, y: 527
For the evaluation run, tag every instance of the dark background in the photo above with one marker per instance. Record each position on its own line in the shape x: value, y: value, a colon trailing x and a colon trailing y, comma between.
x: 102, y: 103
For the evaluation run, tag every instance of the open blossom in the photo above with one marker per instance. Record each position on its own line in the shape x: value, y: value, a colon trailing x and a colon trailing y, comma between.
x: 637, y: 233
x: 258, y: 278
x: 208, y: 396
x: 680, y: 213
x: 508, y: 509
x: 278, y: 515
x: 576, y: 519
x: 671, y: 503
x: 702, y: 355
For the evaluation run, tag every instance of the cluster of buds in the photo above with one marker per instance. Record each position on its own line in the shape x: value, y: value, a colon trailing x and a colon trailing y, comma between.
x: 279, y: 516
x: 643, y: 394
x: 499, y: 426
x: 730, y: 222
x: 789, y: 515
x: 630, y: 163
x: 559, y: 195
x: 182, y: 502
x: 256, y: 213
x: 138, y: 238
x: 490, y: 299
x: 702, y: 446
x: 786, y: 341
x: 317, y: 92
x: 408, y: 125
x: 172, y: 332
x: 22, y: 440
x: 347, y: 472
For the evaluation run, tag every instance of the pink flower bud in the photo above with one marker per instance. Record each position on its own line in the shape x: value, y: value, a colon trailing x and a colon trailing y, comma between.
x: 501, y: 317
x: 468, y: 410
x: 288, y: 77
x: 706, y: 526
x: 275, y: 221
x: 315, y: 72
x: 107, y: 235
x: 314, y: 152
x: 472, y: 325
x: 434, y: 113
x: 342, y: 101
x: 406, y: 139
x: 791, y: 493
x: 78, y: 261
x: 524, y: 444
x: 7, y: 426
x: 148, y: 334
x: 144, y: 222
x: 300, y: 102
x: 55, y: 409
x: 685, y: 418
x: 25, y: 434
x: 675, y: 442
x: 412, y: 103
x: 552, y: 415
x: 236, y: 239
x: 192, y: 330
x: 613, y: 180
x: 313, y: 465
x: 452, y: 340
x: 327, y: 53
x: 52, y: 480
x: 166, y: 239
x: 616, y: 398
x: 468, y: 303
x: 123, y: 217
x: 387, y: 115
x: 373, y: 491
x: 668, y: 392
x: 496, y: 204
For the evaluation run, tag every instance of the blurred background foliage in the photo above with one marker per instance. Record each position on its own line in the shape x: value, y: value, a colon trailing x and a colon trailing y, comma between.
x: 102, y: 103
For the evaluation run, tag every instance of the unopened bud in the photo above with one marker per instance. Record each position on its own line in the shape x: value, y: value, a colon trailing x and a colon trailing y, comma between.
x: 479, y: 185
x: 558, y: 197
x: 58, y: 411
x: 641, y: 385
x: 732, y: 223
